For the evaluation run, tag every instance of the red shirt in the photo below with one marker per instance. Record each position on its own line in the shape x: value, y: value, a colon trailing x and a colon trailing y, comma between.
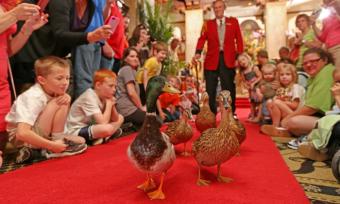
x: 167, y: 99
x: 118, y: 41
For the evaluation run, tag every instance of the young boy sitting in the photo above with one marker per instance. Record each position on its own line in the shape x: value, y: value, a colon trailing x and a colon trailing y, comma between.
x: 93, y: 115
x: 37, y: 118
x: 152, y: 67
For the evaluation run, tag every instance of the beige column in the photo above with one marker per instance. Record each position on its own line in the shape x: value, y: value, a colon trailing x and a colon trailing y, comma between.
x: 276, y: 27
x: 193, y: 26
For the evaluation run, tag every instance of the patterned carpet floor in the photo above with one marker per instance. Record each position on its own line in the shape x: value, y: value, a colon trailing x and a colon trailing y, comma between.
x: 316, y: 178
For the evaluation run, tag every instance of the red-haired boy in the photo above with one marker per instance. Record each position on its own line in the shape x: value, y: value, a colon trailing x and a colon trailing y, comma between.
x: 93, y: 115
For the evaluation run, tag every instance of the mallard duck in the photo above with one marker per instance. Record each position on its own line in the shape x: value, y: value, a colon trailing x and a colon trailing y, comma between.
x: 216, y: 145
x: 151, y: 151
x: 180, y: 131
x: 205, y: 118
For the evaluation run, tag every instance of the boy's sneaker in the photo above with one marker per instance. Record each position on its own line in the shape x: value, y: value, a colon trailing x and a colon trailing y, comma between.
x: 266, y: 120
x: 71, y: 149
x: 308, y: 150
x: 24, y: 154
x: 115, y: 135
x: 97, y: 141
x: 336, y: 165
x: 294, y: 144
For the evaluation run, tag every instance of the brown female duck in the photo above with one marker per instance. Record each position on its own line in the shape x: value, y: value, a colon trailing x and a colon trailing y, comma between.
x: 237, y: 126
x: 151, y: 151
x: 216, y: 145
x: 205, y: 118
x: 180, y: 131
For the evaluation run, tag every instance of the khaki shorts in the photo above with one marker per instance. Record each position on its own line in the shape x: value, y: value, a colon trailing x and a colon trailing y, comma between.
x: 17, y: 143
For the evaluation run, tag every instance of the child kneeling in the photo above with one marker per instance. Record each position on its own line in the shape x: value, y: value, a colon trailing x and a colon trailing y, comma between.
x: 37, y: 118
x: 93, y: 115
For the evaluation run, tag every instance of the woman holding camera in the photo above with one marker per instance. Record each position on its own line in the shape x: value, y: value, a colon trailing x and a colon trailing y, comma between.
x: 330, y: 32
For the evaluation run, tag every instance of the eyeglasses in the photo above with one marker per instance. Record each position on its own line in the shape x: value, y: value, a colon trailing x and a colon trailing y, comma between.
x: 314, y: 61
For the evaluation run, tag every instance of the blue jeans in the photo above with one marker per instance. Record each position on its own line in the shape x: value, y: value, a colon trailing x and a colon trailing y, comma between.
x: 106, y: 63
x: 265, y: 111
x: 85, y: 60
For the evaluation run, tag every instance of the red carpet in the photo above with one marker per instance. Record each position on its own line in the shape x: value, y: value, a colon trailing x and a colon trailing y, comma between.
x: 242, y: 102
x: 103, y: 174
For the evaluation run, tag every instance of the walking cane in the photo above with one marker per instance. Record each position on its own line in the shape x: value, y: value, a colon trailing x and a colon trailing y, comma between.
x: 12, y: 79
x: 196, y: 64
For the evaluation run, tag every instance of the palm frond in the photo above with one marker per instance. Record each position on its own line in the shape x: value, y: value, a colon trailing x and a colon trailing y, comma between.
x: 157, y: 19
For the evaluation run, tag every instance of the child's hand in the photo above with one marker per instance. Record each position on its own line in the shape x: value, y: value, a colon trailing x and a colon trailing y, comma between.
x: 143, y: 108
x: 252, y: 86
x: 64, y: 99
x: 262, y: 89
x: 298, y: 38
x: 162, y: 115
x: 172, y: 109
x: 114, y: 100
x: 109, y: 102
x: 336, y: 89
x: 283, y: 98
x: 275, y: 84
x: 58, y: 146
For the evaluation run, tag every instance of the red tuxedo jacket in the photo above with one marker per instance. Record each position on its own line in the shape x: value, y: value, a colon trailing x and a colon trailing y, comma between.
x: 233, y: 43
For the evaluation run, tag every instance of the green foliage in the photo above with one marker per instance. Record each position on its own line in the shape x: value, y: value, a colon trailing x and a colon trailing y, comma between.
x: 141, y: 12
x: 157, y: 19
x: 171, y: 67
x: 160, y: 29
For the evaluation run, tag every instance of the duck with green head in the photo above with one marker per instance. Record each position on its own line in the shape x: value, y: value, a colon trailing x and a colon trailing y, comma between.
x: 151, y: 151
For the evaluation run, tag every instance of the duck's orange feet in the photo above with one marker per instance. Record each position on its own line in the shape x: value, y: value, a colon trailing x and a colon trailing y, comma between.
x: 220, y: 178
x: 224, y: 179
x: 148, y: 185
x: 157, y: 194
x: 203, y: 182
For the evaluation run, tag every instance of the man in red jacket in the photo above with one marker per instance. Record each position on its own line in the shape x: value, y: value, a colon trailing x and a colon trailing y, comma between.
x: 225, y: 42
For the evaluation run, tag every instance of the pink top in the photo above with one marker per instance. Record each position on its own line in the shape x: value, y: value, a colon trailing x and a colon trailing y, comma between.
x: 5, y: 93
x: 330, y: 34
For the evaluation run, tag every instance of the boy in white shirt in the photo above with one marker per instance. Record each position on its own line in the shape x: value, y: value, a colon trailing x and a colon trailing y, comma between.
x: 37, y: 117
x: 93, y: 115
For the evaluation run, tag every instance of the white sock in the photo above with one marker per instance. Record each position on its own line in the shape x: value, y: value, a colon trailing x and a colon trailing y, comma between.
x: 57, y: 136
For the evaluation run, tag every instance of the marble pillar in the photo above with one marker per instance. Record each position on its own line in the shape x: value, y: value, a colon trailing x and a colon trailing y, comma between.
x: 193, y: 26
x: 276, y: 27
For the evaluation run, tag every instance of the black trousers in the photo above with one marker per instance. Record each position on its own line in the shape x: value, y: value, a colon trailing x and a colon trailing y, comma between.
x: 226, y: 76
x: 334, y: 141
x: 116, y: 65
x: 136, y: 118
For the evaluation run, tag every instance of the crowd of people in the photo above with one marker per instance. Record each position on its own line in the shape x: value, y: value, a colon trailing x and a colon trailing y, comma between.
x: 78, y: 79
x: 297, y: 95
x: 73, y: 39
